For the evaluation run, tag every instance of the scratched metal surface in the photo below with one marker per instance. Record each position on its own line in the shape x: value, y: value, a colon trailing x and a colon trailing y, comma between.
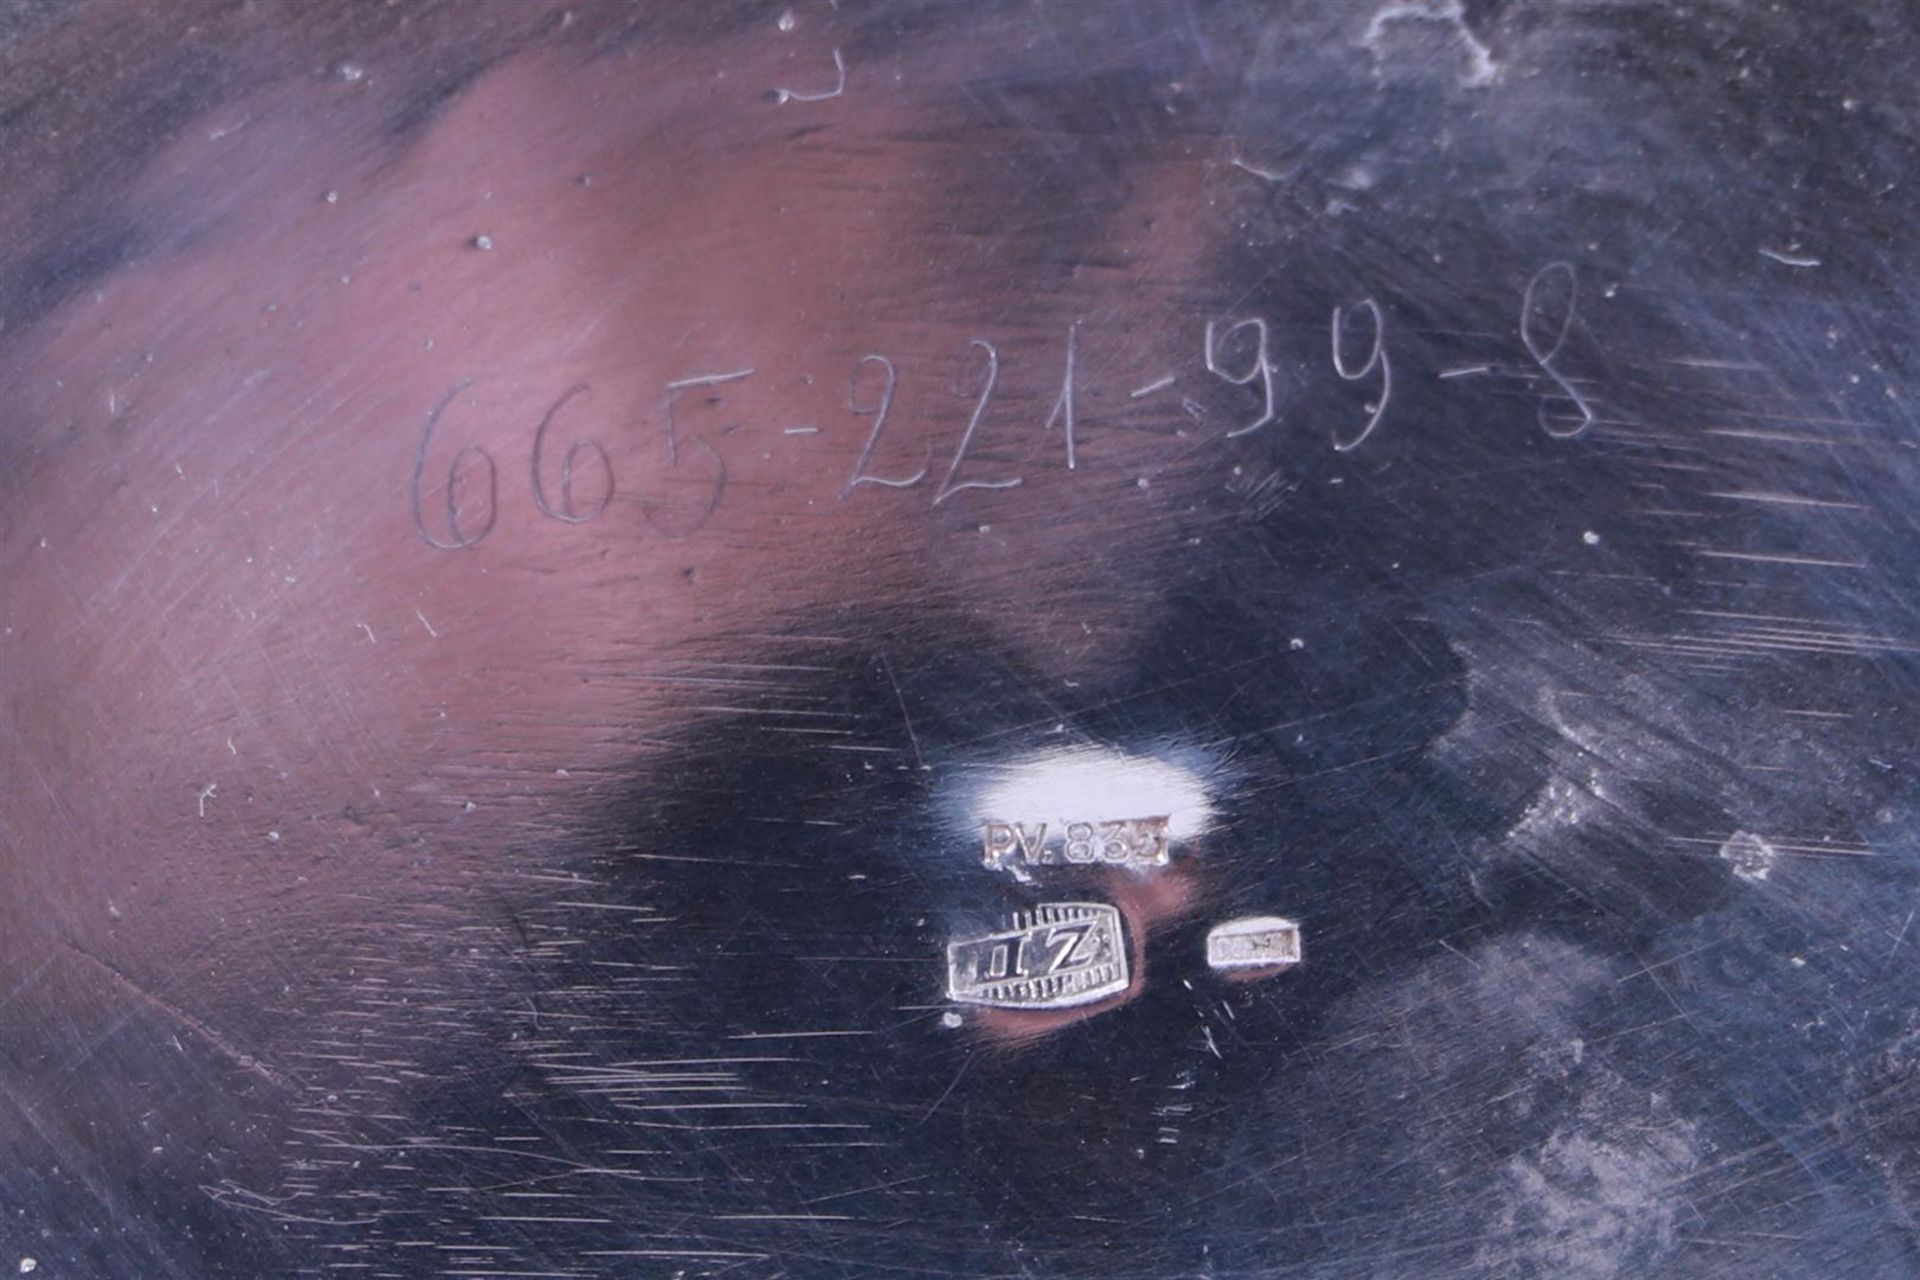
x: 527, y: 532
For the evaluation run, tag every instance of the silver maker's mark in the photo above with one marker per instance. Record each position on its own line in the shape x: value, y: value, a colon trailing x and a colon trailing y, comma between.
x: 1136, y: 843
x: 1056, y: 956
x: 1254, y: 942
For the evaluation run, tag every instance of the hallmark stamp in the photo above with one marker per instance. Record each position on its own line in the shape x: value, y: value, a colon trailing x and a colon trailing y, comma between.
x: 1136, y: 843
x: 1056, y: 956
x: 1254, y: 942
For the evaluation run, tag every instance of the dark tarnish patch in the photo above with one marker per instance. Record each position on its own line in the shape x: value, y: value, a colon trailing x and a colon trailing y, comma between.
x: 79, y: 258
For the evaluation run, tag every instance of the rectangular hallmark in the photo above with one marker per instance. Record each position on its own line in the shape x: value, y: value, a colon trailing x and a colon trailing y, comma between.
x: 1253, y: 942
x: 1056, y: 956
x: 1131, y: 842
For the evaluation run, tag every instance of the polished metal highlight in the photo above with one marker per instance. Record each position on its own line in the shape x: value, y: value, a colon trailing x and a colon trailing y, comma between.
x: 1254, y: 942
x: 1056, y: 956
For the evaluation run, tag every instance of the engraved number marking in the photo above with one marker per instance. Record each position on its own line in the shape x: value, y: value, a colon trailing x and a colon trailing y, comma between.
x: 468, y: 493
x: 860, y: 476
x: 1376, y: 359
x: 719, y: 484
x: 947, y: 485
x: 458, y: 535
x: 1261, y: 368
x: 1554, y: 278
x: 568, y: 511
x: 1063, y: 407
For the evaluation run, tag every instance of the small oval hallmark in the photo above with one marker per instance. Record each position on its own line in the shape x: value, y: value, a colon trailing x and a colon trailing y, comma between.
x: 1254, y: 942
x: 1056, y: 956
x: 1135, y: 843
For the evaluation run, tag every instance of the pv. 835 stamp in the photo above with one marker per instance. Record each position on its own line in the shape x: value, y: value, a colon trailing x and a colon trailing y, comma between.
x: 1136, y: 843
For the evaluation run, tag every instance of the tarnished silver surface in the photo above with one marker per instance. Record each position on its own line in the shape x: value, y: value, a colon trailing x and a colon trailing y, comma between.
x: 696, y: 641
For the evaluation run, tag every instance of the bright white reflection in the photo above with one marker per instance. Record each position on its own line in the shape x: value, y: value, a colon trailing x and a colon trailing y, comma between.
x: 1092, y: 784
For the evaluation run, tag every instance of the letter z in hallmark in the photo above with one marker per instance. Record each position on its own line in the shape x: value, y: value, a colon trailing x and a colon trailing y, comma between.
x: 1056, y: 956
